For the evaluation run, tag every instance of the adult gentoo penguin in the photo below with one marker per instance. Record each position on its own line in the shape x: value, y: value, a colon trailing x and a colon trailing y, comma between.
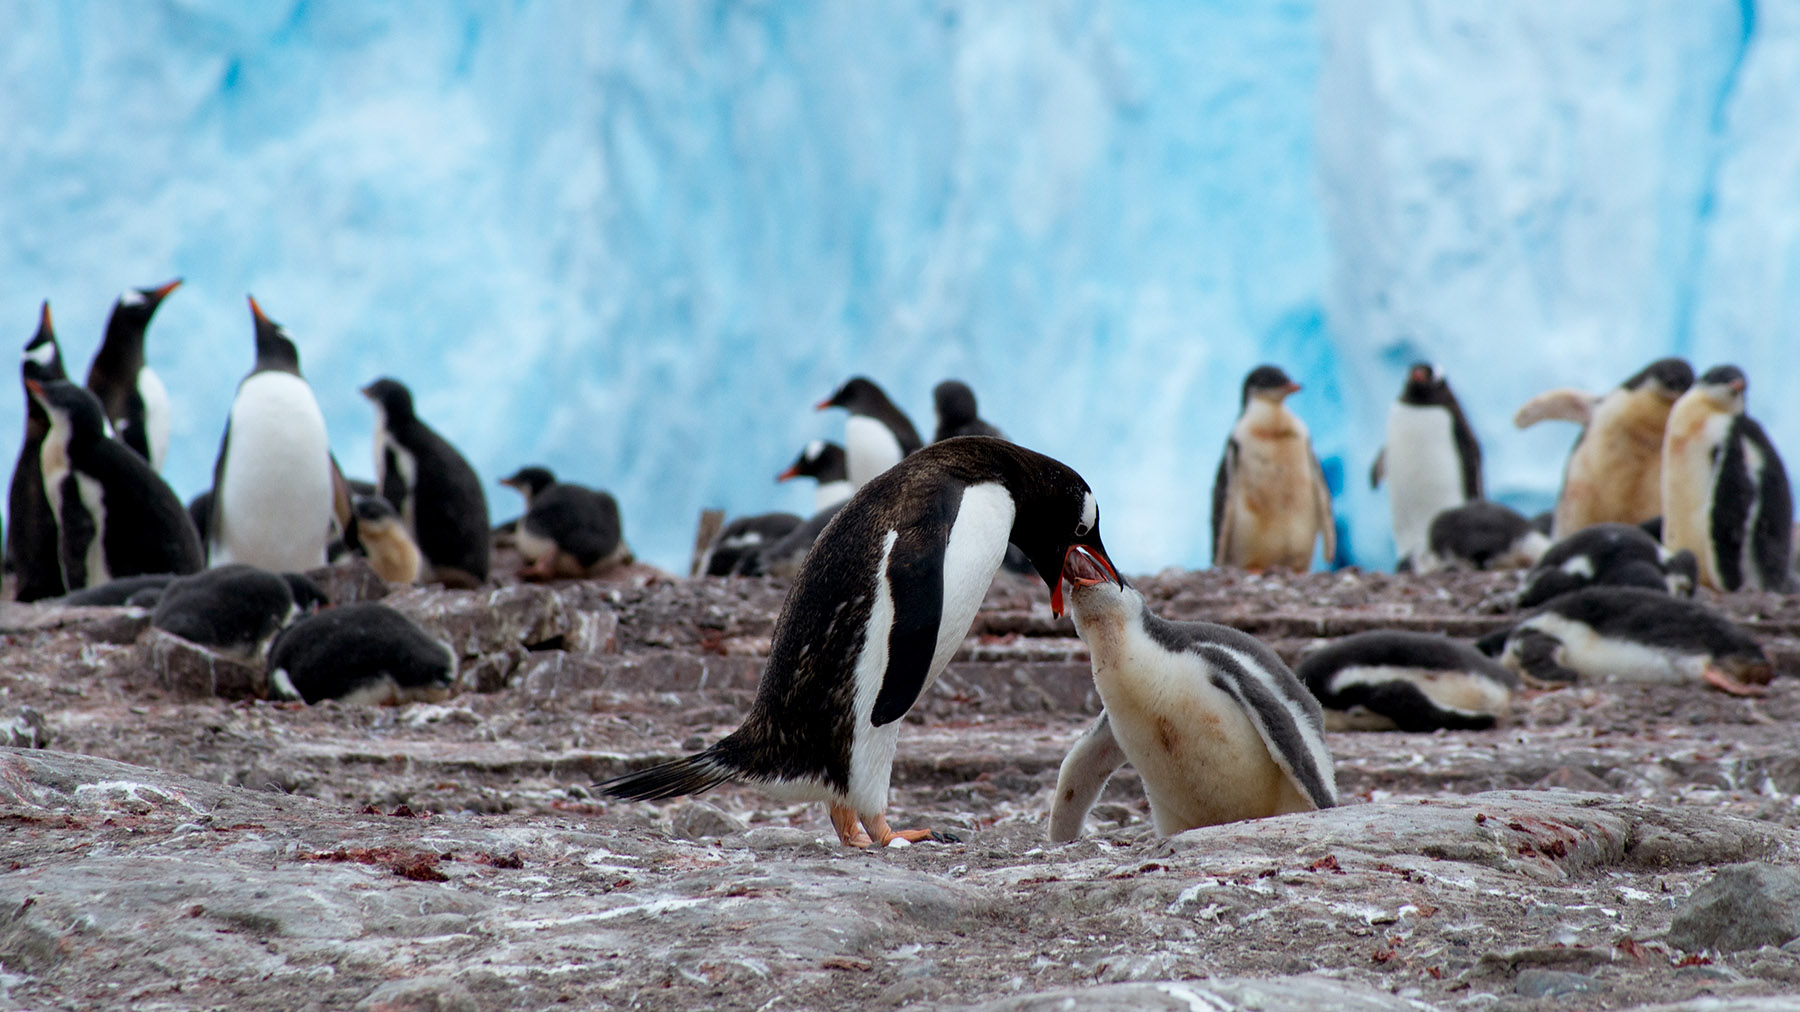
x: 31, y: 537
x: 114, y: 515
x: 957, y: 414
x: 432, y: 487
x: 273, y: 486
x: 877, y: 434
x: 136, y: 403
x: 1430, y: 461
x: 825, y: 463
x: 881, y: 603
x: 567, y: 531
x: 1725, y: 492
x: 1219, y: 729
x: 1406, y: 681
x: 1269, y: 498
x: 1619, y: 555
x: 1614, y: 472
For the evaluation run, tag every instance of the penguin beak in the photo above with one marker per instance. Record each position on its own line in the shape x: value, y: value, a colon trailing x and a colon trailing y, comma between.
x: 256, y: 311
x: 1083, y: 566
x: 1291, y: 388
x: 822, y: 405
x: 159, y: 294
x: 44, y: 318
x: 792, y: 472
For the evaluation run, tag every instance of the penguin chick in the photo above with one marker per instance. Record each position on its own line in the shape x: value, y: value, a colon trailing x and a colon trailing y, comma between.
x: 826, y: 463
x: 877, y: 434
x: 1431, y: 460
x: 377, y: 530
x: 1480, y: 535
x: 1215, y: 724
x: 1405, y: 681
x: 31, y: 538
x: 957, y: 414
x: 235, y: 609
x: 782, y: 557
x: 882, y: 602
x: 1725, y: 492
x: 133, y: 397
x: 1270, y: 501
x: 567, y: 532
x: 1618, y: 555
x: 1632, y: 634
x: 742, y: 538
x: 431, y: 486
x: 362, y: 653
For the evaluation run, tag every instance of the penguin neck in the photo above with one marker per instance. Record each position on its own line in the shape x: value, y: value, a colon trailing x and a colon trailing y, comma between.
x: 1271, y: 419
x: 1106, y: 616
x: 829, y: 493
x: 121, y: 352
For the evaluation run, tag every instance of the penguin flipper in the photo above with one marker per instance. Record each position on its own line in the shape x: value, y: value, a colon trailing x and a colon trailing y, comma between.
x: 1085, y: 770
x: 1564, y: 405
x: 915, y: 575
x: 1322, y: 508
x: 1296, y: 745
x: 1221, y: 515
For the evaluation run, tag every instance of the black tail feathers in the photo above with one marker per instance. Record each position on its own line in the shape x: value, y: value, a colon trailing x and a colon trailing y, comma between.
x: 694, y: 775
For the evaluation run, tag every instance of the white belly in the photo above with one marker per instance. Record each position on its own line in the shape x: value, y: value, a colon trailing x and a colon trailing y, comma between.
x: 870, y: 448
x: 830, y: 493
x: 1424, y: 472
x: 156, y: 415
x: 274, y: 508
x: 1602, y: 659
x: 53, y: 462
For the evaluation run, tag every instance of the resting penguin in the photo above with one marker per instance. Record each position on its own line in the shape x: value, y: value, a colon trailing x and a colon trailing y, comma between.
x: 134, y: 591
x: 1270, y: 501
x: 136, y: 403
x: 1480, y: 535
x: 31, y: 524
x: 363, y: 653
x: 782, y: 557
x: 1430, y: 460
x: 882, y: 602
x: 376, y: 529
x: 826, y: 463
x: 743, y: 537
x: 432, y: 487
x: 235, y: 609
x: 1619, y: 555
x: 1614, y: 472
x: 114, y: 515
x: 877, y: 435
x: 567, y: 532
x: 957, y: 414
x: 1218, y: 728
x: 1632, y: 634
x: 1406, y: 681
x: 273, y: 486
x: 1725, y: 492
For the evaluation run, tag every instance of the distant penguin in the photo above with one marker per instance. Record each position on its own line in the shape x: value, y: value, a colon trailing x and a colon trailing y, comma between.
x: 828, y: 465
x: 273, y: 489
x: 1480, y: 535
x: 31, y: 539
x: 782, y: 557
x: 116, y: 593
x: 114, y: 515
x: 882, y: 602
x: 434, y: 489
x: 1614, y: 472
x: 567, y: 532
x: 743, y: 537
x: 957, y: 414
x: 1725, y: 492
x: 1216, y: 725
x: 135, y: 401
x: 1617, y: 555
x: 235, y: 609
x: 363, y: 653
x: 1406, y: 681
x: 1430, y: 461
x: 1632, y: 634
x: 877, y: 434
x: 377, y: 530
x: 1270, y: 502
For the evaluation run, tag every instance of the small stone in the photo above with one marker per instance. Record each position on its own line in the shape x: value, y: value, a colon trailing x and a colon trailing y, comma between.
x: 420, y: 994
x: 1744, y: 906
x: 1553, y: 983
x: 765, y: 838
x: 698, y: 820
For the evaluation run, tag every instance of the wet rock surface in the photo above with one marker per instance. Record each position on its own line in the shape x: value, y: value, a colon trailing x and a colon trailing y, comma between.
x: 172, y: 849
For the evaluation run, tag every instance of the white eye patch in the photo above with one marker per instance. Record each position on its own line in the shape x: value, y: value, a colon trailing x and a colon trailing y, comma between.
x: 1090, y: 515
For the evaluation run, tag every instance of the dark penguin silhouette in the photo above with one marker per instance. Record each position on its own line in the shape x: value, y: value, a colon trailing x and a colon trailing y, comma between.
x: 1270, y: 501
x: 363, y: 653
x: 877, y: 435
x: 1406, y: 681
x: 568, y: 531
x: 882, y: 602
x: 1479, y: 535
x: 131, y: 393
x: 378, y: 532
x: 957, y: 414
x: 432, y: 487
x: 780, y: 555
x: 137, y: 591
x: 742, y: 538
x: 114, y: 515
x: 783, y: 556
x: 235, y: 609
x: 827, y: 464
x: 1431, y: 461
x: 1619, y: 555
x: 31, y: 539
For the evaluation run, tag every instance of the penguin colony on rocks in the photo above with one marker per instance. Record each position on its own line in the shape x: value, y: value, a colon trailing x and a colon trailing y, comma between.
x: 1670, y: 485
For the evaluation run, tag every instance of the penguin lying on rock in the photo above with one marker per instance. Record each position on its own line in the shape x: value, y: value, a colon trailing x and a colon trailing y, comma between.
x: 567, y: 532
x: 1215, y: 724
x: 744, y: 537
x: 132, y: 591
x: 1387, y: 680
x: 235, y: 609
x: 364, y: 653
x: 1480, y: 535
x: 1619, y: 555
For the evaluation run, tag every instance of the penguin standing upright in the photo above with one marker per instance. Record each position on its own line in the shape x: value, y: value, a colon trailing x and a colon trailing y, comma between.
x: 1725, y: 492
x: 882, y: 602
x: 382, y: 536
x: 432, y: 487
x: 957, y: 414
x: 877, y: 435
x: 31, y: 528
x: 1270, y: 502
x: 114, y: 515
x: 827, y: 464
x: 1431, y: 460
x: 1614, y: 472
x: 1214, y: 722
x: 273, y: 487
x: 134, y: 398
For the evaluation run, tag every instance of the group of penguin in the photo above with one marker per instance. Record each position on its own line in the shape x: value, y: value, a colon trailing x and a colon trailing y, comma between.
x: 92, y: 522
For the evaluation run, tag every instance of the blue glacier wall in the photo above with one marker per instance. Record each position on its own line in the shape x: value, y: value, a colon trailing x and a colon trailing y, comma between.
x: 637, y: 241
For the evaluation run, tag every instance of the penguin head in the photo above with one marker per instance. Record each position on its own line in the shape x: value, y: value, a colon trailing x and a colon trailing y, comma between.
x: 821, y: 460
x: 392, y: 397
x: 135, y: 306
x: 1724, y: 386
x: 1056, y: 520
x: 275, y: 352
x: 529, y: 481
x: 859, y: 395
x: 1425, y: 384
x: 42, y: 358
x: 1269, y: 383
x: 955, y: 403
x: 70, y: 407
x: 1668, y: 378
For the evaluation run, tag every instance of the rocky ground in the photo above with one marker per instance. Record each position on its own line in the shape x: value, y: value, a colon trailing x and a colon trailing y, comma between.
x: 451, y: 856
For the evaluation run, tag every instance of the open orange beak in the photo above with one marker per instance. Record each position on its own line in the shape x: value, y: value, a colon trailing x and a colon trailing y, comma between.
x: 1082, y: 567
x: 792, y: 472
x: 159, y: 294
x: 822, y: 405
